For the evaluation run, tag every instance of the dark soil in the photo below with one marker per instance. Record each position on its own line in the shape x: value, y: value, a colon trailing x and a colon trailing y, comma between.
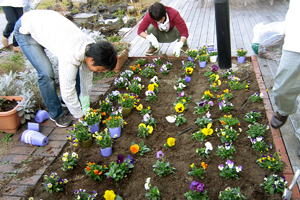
x: 182, y: 155
x: 6, y: 105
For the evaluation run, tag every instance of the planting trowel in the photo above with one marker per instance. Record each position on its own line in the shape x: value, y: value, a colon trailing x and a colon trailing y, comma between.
x: 287, y: 193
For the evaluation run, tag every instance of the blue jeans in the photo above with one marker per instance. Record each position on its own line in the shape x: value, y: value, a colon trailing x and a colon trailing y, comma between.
x: 36, y: 55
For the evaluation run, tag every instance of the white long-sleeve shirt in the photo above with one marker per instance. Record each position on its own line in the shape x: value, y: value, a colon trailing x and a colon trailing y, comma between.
x: 13, y: 3
x: 292, y: 30
x: 66, y: 41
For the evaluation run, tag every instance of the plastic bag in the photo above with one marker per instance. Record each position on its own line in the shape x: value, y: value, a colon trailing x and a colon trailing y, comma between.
x: 31, y: 5
x: 268, y: 40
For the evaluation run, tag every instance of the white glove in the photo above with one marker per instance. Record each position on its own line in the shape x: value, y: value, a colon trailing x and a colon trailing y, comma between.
x: 85, y: 103
x: 178, y: 46
x: 152, y: 39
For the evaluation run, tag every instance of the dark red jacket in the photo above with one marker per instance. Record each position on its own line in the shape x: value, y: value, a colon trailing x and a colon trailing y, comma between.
x: 174, y: 18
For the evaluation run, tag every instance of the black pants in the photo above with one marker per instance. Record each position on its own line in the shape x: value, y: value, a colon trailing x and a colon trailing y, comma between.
x: 12, y: 15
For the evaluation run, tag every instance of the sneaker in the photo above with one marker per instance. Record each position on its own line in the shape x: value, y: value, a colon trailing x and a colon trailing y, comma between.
x: 278, y: 120
x: 63, y: 104
x: 62, y: 122
x: 151, y: 51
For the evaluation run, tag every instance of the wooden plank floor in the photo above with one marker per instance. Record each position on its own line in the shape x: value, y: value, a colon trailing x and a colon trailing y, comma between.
x: 199, y: 16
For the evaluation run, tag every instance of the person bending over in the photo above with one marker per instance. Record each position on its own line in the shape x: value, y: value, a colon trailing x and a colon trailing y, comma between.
x: 78, y: 57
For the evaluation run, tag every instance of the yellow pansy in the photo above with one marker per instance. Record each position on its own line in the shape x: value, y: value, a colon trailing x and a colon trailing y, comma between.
x: 142, y: 125
x: 179, y: 108
x: 151, y: 87
x: 192, y: 165
x: 139, y: 107
x: 150, y: 129
x: 171, y: 141
x: 109, y: 195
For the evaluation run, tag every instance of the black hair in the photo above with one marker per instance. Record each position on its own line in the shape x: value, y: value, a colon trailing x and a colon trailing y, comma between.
x: 157, y: 11
x: 103, y: 53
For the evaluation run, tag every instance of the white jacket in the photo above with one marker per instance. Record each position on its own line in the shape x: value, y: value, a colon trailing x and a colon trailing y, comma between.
x: 13, y: 3
x: 292, y: 31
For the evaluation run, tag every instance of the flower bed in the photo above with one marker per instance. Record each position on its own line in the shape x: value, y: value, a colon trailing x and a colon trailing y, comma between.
x: 183, y: 154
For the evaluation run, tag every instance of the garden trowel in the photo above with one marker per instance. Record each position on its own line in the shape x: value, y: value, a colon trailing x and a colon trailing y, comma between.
x: 287, y: 193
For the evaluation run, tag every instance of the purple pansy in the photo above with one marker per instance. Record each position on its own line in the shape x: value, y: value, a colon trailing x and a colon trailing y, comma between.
x: 120, y: 159
x: 214, y: 68
x: 129, y: 159
x: 181, y: 94
x: 202, y: 103
x: 159, y: 154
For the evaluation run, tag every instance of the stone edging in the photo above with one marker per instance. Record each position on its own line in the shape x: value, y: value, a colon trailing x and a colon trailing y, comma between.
x: 279, y: 145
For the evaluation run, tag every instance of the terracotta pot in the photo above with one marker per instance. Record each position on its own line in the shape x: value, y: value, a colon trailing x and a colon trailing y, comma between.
x: 87, y: 144
x: 10, y: 121
x: 121, y: 59
x: 126, y: 111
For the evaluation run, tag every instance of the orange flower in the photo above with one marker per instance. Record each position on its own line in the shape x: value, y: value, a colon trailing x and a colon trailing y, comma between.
x: 103, y: 113
x: 239, y: 124
x: 88, y: 168
x: 100, y: 173
x: 134, y: 148
x: 204, y: 165
x: 223, y: 122
x: 105, y: 166
x: 138, y: 65
x: 103, y: 122
x: 109, y: 118
x: 133, y: 68
x: 95, y: 111
x: 116, y: 117
x: 96, y: 171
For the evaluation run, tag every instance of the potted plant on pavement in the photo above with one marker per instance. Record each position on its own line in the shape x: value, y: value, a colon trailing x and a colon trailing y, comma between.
x: 241, y: 54
x: 9, y: 119
x: 122, y: 49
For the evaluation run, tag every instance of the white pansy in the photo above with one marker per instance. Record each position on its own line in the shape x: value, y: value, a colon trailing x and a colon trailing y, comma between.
x: 171, y: 119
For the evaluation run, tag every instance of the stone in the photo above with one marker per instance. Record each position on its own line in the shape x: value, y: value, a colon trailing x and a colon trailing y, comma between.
x: 93, y: 10
x: 80, y: 1
x: 122, y: 31
x: 85, y: 17
x: 131, y: 23
x: 101, y: 9
x: 108, y: 16
x: 113, y: 9
x: 130, y: 9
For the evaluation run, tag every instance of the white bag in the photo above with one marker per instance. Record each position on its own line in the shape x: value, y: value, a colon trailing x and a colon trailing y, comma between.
x: 31, y: 5
x: 268, y: 39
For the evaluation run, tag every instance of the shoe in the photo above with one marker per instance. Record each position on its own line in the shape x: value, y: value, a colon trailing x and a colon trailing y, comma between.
x: 4, y: 41
x: 151, y: 51
x: 278, y: 120
x: 62, y: 122
x: 63, y: 104
x: 17, y: 49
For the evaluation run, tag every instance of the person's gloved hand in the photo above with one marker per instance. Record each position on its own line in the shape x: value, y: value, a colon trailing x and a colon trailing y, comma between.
x: 178, y: 46
x: 151, y: 38
x: 85, y: 103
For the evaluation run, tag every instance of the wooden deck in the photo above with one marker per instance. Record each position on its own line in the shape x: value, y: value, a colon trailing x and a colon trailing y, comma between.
x: 199, y: 16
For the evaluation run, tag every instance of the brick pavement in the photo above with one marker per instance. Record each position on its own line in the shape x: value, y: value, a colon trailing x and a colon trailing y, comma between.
x: 15, y: 189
